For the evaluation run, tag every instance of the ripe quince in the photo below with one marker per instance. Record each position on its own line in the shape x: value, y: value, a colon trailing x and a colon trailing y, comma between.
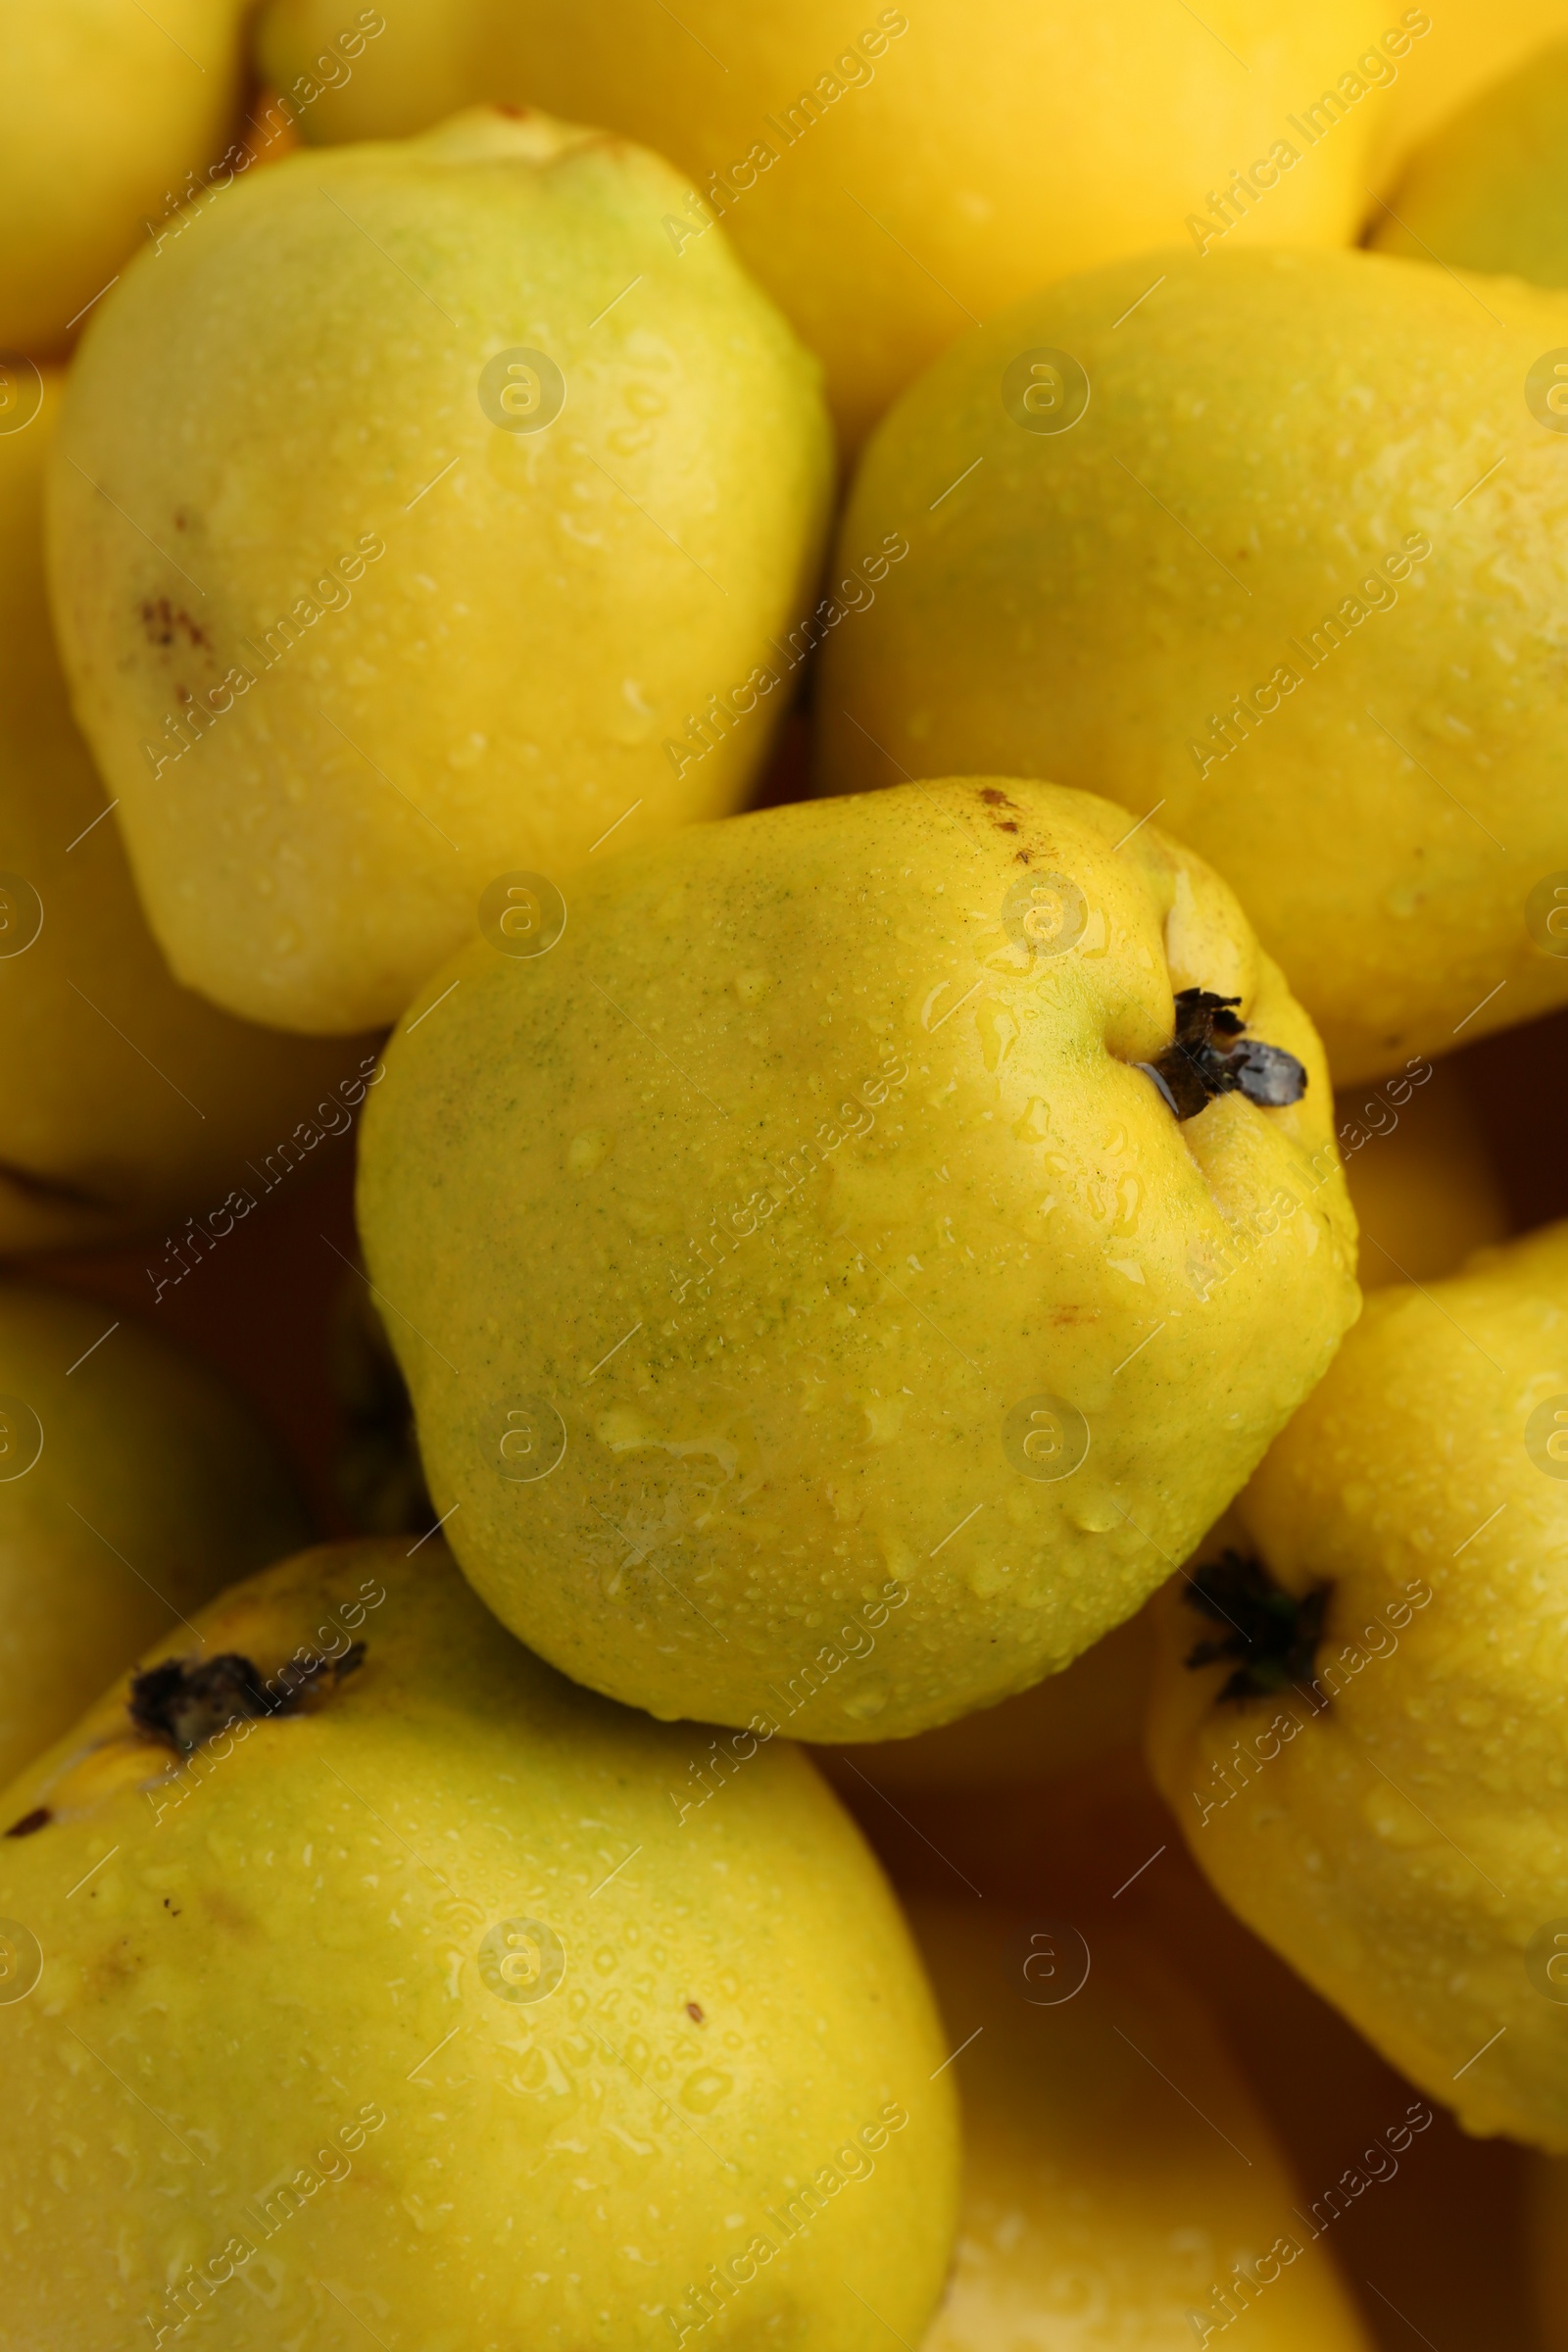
x: 829, y: 1290
x: 1268, y: 542
x: 422, y: 518
x: 123, y: 1097
x: 367, y: 1976
x: 1358, y: 1711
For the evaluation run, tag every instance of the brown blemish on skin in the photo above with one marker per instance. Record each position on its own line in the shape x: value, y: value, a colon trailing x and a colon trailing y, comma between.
x: 39, y: 1819
x: 994, y: 799
x: 163, y: 622
x: 1005, y: 824
x: 1075, y: 1315
x: 693, y: 2010
x: 1022, y: 857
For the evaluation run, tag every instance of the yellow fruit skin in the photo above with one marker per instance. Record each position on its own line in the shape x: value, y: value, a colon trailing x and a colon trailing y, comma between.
x: 1472, y: 43
x: 105, y: 110
x: 1403, y: 1834
x: 1262, y: 431
x: 778, y: 1186
x: 123, y: 1097
x: 943, y: 162
x: 1489, y: 189
x: 1423, y: 1181
x: 1099, y: 2205
x: 154, y: 1487
x: 409, y: 686
x: 1092, y: 1709
x: 286, y: 1942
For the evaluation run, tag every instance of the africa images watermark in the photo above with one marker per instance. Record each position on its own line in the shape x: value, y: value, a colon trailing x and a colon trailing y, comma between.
x: 793, y: 2209
x: 1228, y: 730
x: 1373, y: 70
x: 336, y: 1118
x: 280, y: 119
x: 197, y: 715
x: 721, y: 713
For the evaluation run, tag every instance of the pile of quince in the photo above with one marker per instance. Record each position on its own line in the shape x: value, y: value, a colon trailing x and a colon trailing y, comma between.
x: 783, y: 1027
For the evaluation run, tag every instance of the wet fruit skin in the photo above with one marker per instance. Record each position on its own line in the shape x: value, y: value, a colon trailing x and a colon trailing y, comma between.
x: 806, y: 1200
x: 1258, y: 584
x: 153, y: 1486
x: 884, y: 180
x: 1385, y: 1804
x: 476, y: 508
x: 1098, y: 2205
x: 125, y: 1099
x: 420, y: 2007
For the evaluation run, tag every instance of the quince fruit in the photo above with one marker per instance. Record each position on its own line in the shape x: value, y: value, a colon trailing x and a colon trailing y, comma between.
x: 829, y: 1288
x: 1358, y: 1711
x: 131, y: 1487
x: 421, y: 519
x: 367, y: 1975
x: 124, y: 1100
x: 1270, y: 543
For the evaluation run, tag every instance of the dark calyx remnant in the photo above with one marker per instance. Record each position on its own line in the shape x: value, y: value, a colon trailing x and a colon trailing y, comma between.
x: 1212, y: 1054
x: 185, y: 1702
x: 1274, y: 1633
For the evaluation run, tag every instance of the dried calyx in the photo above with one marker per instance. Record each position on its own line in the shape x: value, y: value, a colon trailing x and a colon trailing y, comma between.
x: 186, y: 1701
x: 1212, y: 1054
x: 1273, y: 1634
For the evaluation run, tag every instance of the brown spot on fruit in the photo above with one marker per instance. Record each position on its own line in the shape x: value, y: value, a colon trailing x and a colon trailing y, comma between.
x: 995, y: 799
x: 163, y: 622
x: 39, y: 1819
x: 693, y: 2010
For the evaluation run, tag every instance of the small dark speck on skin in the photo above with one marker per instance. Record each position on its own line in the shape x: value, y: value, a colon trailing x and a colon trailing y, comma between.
x: 693, y: 2010
x: 39, y: 1819
x: 994, y: 799
x: 1022, y: 857
x: 1007, y: 824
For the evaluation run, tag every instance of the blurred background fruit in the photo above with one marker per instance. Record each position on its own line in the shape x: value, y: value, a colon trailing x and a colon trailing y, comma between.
x: 111, y: 114
x: 893, y: 182
x: 132, y: 1487
x: 1423, y: 1180
x: 1488, y: 189
x: 1120, y: 2181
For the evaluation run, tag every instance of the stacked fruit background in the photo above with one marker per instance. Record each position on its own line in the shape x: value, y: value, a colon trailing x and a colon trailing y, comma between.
x: 783, y: 1104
